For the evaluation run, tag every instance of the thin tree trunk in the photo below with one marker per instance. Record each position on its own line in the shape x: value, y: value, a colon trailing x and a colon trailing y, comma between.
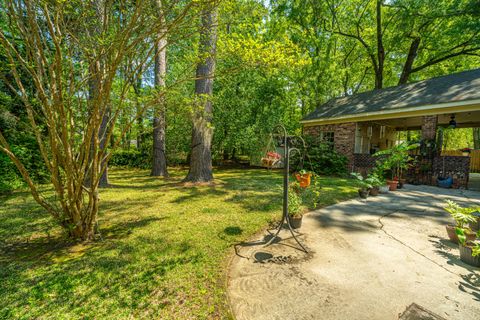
x: 159, y: 165
x: 202, y: 132
x: 380, y: 48
x: 103, y: 183
x: 137, y: 86
x: 476, y: 138
x: 100, y: 8
x: 407, y: 67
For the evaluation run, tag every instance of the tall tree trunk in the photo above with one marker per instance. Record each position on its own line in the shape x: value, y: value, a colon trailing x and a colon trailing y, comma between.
x: 137, y: 86
x: 202, y: 132
x: 476, y: 138
x: 100, y: 10
x: 103, y: 183
x: 159, y: 165
x: 380, y: 48
x: 407, y: 67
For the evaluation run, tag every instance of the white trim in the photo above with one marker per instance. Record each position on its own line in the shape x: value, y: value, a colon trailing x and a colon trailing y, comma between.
x: 389, y: 114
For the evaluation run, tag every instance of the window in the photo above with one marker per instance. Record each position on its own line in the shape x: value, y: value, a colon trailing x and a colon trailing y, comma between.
x: 327, y: 137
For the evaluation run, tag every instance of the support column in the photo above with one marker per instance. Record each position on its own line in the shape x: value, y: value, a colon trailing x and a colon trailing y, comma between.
x: 429, y: 127
x: 345, y: 141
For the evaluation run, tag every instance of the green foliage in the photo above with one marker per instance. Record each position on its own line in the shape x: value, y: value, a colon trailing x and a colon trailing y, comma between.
x: 130, y: 159
x: 461, y: 215
x: 375, y: 180
x: 294, y: 200
x: 321, y: 158
x: 362, y: 183
x: 462, y: 238
x: 394, y: 160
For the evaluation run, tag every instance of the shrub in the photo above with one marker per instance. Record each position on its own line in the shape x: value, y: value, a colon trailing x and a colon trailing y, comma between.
x: 130, y: 158
x: 321, y: 158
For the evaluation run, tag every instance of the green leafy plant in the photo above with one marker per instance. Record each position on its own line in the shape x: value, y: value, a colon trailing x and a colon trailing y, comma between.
x: 294, y: 200
x: 461, y: 215
x: 362, y: 183
x: 395, y: 159
x: 375, y: 180
x: 321, y: 158
x: 462, y: 238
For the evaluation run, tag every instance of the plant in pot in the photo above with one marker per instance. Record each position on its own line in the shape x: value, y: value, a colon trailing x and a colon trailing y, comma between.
x: 304, y: 178
x: 396, y: 160
x: 363, y: 185
x: 295, y: 206
x: 376, y: 182
x: 462, y: 216
x: 469, y: 249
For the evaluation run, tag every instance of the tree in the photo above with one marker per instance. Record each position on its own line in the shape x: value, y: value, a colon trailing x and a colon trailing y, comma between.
x: 202, y: 131
x: 159, y: 165
x: 53, y: 44
x: 409, y: 35
x: 96, y: 70
x: 476, y: 138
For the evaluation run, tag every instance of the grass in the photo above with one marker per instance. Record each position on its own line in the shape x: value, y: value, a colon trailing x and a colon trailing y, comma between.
x: 164, y: 250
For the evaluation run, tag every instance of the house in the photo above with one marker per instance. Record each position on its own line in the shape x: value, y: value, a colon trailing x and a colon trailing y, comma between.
x: 361, y: 124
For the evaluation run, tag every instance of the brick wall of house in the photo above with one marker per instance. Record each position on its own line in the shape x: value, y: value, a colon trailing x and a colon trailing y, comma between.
x: 344, y: 138
x: 429, y: 127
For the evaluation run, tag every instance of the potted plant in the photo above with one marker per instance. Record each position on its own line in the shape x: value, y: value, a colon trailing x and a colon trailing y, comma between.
x: 376, y: 182
x: 469, y: 249
x: 462, y: 216
x: 304, y: 178
x: 466, y: 152
x: 396, y: 160
x: 294, y: 206
x: 379, y: 172
x: 363, y: 185
x: 475, y: 226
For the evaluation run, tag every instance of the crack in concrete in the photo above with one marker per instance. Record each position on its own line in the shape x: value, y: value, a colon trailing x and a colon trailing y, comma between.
x: 379, y: 220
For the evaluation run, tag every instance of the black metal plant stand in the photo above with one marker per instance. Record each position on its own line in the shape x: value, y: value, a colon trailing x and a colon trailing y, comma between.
x: 287, y: 143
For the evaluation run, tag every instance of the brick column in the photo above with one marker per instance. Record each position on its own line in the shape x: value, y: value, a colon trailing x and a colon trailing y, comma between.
x: 429, y: 127
x: 345, y: 141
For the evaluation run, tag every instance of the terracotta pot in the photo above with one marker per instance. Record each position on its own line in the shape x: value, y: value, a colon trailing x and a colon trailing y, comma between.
x: 374, y: 191
x: 453, y: 236
x: 295, y: 222
x: 466, y: 256
x: 304, y: 179
x: 392, y: 185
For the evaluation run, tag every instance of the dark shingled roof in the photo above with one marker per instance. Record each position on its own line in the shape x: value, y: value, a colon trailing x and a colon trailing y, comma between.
x: 456, y: 87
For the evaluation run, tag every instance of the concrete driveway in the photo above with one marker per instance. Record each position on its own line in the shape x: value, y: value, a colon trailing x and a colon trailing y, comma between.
x: 368, y: 260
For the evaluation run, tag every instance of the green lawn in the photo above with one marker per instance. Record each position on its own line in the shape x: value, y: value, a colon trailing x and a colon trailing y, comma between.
x: 164, y: 251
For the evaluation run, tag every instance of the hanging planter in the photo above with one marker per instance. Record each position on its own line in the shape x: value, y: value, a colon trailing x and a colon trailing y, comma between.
x: 304, y: 178
x: 271, y: 159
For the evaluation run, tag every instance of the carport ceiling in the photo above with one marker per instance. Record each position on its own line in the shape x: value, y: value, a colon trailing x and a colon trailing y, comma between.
x: 464, y: 120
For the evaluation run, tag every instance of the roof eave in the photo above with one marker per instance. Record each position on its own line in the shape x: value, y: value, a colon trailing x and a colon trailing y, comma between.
x: 441, y: 108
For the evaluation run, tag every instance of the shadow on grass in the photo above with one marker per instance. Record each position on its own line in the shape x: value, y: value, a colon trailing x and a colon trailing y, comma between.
x: 119, y: 272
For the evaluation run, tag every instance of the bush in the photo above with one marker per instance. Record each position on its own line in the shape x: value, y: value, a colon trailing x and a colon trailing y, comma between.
x: 130, y: 158
x: 321, y: 158
x: 10, y: 178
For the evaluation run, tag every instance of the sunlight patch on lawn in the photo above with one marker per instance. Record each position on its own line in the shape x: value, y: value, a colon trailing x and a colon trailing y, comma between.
x: 163, y: 253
